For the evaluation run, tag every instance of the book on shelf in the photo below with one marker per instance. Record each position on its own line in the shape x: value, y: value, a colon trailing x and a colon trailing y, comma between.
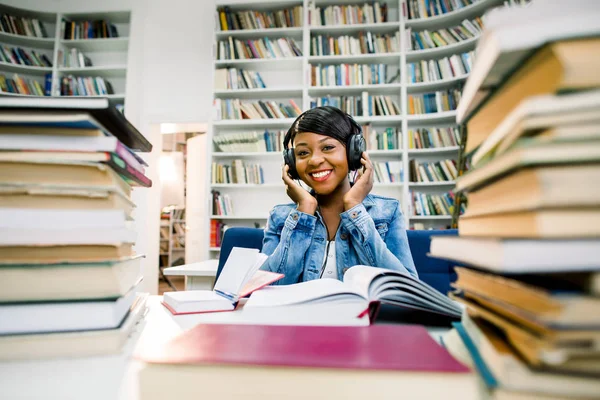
x: 362, y: 289
x: 441, y: 69
x: 388, y: 172
x: 419, y: 9
x: 364, y: 43
x: 221, y: 204
x: 264, y: 48
x: 239, y: 278
x: 23, y: 26
x: 512, y: 35
x: 19, y: 85
x: 427, y: 103
x: 364, y: 358
x: 74, y: 58
x: 555, y: 62
x: 432, y: 171
x: 97, y: 29
x: 236, y: 173
x: 386, y: 139
x: 217, y: 230
x: 20, y: 56
x: 229, y: 20
x: 85, y: 86
x: 260, y: 109
x: 423, y: 40
x: 364, y: 105
x: 433, y: 138
x: 235, y: 79
x: 347, y: 14
x: 426, y: 204
x: 268, y: 141
x: 348, y: 74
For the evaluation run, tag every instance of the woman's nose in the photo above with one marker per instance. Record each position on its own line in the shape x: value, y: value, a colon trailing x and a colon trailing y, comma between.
x: 315, y: 159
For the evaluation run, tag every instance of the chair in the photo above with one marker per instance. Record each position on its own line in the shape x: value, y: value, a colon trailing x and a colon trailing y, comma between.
x: 437, y: 273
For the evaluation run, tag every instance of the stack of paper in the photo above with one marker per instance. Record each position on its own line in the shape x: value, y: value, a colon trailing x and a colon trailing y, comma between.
x: 68, y: 272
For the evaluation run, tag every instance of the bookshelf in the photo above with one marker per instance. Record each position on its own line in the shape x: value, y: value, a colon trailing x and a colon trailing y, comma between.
x: 290, y: 78
x: 95, y: 67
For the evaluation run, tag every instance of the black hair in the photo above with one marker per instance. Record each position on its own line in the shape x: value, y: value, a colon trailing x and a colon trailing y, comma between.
x: 327, y: 120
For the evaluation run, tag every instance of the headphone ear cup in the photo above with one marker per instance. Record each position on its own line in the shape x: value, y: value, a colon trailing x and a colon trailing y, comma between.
x: 356, y: 147
x: 289, y: 158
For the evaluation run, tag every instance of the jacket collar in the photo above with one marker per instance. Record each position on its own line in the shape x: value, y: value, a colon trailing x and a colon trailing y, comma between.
x: 368, y: 202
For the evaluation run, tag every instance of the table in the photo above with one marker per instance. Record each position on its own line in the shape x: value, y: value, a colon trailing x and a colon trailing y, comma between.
x: 109, y: 377
x: 198, y: 276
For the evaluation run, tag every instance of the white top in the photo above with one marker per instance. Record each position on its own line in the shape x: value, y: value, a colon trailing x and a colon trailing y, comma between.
x: 330, y: 263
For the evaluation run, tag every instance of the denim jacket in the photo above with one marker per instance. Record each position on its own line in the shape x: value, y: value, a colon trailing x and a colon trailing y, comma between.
x: 371, y: 233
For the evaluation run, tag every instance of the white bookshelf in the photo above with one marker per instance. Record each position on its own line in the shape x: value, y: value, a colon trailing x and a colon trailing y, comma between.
x: 289, y: 78
x: 109, y: 56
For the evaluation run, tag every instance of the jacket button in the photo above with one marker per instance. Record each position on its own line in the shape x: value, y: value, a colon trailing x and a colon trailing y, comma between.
x: 343, y: 236
x: 345, y: 270
x: 354, y: 214
x: 295, y: 217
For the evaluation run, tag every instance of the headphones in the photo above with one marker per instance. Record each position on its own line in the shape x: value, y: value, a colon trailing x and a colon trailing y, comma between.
x: 355, y: 146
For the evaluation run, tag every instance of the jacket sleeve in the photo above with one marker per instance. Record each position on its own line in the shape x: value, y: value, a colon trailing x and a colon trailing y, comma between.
x: 298, y: 230
x: 393, y: 253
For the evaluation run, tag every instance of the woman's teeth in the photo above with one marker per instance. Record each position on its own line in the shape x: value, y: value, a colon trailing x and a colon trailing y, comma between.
x: 321, y: 174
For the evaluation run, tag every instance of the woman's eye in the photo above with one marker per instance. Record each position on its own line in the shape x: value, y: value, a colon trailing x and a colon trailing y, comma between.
x: 328, y: 147
x: 302, y: 153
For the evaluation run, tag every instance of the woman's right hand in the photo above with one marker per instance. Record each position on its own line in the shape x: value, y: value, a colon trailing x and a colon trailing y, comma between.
x: 306, y: 202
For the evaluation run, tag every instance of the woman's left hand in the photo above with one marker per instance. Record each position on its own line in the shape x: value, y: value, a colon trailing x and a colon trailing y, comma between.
x: 363, y: 185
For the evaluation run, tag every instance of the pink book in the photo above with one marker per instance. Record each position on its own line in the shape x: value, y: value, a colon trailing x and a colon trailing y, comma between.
x: 377, y: 347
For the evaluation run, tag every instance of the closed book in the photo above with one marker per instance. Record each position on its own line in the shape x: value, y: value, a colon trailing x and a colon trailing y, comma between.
x: 68, y: 281
x: 34, y: 254
x: 353, y: 363
x: 73, y: 344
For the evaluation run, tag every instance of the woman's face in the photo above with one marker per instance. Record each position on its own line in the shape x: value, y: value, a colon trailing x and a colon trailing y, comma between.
x: 320, y: 161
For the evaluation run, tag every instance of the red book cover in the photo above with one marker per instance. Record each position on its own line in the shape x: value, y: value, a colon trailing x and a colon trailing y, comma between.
x: 377, y: 347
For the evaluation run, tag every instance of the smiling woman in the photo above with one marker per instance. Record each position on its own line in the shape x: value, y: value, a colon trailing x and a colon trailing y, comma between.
x: 322, y: 147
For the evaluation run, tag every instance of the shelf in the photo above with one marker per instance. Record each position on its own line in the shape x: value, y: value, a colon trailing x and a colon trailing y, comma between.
x: 255, y: 123
x: 439, y: 150
x: 25, y: 69
x: 247, y: 185
x: 119, y: 96
x: 376, y: 153
x: 214, y: 248
x: 247, y: 217
x: 441, y: 84
x: 293, y: 91
x: 18, y: 94
x: 20, y: 40
x: 451, y: 18
x: 295, y: 33
x: 379, y: 119
x: 248, y: 154
x: 392, y: 184
x: 109, y: 71
x: 279, y: 63
x: 431, y: 217
x: 380, y: 58
x: 443, y: 116
x: 382, y: 27
x: 391, y: 88
x: 431, y: 184
x: 456, y: 48
x: 108, y: 44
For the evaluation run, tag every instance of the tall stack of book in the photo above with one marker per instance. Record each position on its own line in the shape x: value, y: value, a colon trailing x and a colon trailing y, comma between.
x: 68, y: 273
x: 531, y: 233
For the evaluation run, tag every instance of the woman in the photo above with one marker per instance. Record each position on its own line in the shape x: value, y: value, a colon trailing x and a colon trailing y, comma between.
x: 338, y: 224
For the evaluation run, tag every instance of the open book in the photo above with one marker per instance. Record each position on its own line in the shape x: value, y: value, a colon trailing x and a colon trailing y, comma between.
x: 240, y: 277
x: 360, y: 293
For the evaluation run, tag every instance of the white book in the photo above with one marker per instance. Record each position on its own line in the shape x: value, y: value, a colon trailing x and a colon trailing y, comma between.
x: 73, y: 344
x: 55, y: 237
x: 511, y: 34
x: 26, y: 218
x: 21, y: 318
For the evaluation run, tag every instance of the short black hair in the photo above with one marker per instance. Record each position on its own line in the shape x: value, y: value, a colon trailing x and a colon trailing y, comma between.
x: 327, y: 121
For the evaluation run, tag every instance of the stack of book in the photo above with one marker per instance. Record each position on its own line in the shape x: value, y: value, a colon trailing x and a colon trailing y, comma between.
x: 29, y: 87
x: 235, y: 49
x: 443, y: 37
x: 22, y: 26
x: 417, y: 9
x: 73, y: 58
x: 531, y: 231
x: 386, y: 139
x: 68, y: 273
x: 349, y: 74
x: 221, y: 204
x: 365, y: 43
x: 433, y: 138
x: 18, y: 55
x: 388, y: 172
x: 348, y: 14
x: 445, y: 68
x: 363, y: 105
x: 99, y: 29
x: 234, y: 79
x: 85, y: 86
x: 433, y: 171
x: 249, y: 142
x: 260, y: 109
x: 426, y: 204
x: 241, y: 20
x: 237, y: 173
x: 428, y: 103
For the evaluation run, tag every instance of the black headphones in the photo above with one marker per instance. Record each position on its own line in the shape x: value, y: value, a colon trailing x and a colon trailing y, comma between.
x: 355, y: 146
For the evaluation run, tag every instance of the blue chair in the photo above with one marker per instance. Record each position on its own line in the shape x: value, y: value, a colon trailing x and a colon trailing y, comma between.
x: 435, y: 272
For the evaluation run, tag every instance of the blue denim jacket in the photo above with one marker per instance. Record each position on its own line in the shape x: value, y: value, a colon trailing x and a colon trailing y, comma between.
x: 371, y: 233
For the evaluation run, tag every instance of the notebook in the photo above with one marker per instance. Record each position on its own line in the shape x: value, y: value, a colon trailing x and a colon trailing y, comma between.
x: 240, y: 277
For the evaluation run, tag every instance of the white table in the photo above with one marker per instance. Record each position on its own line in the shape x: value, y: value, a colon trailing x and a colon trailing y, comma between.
x: 198, y: 276
x: 110, y: 377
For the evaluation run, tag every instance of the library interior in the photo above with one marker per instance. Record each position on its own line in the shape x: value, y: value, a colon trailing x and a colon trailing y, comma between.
x: 347, y: 199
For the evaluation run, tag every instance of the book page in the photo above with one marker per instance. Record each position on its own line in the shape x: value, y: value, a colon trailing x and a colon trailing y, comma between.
x: 359, y: 278
x: 305, y: 292
x: 235, y: 271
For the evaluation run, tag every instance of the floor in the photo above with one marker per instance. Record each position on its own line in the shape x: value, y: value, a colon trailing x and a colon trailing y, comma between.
x: 177, y: 281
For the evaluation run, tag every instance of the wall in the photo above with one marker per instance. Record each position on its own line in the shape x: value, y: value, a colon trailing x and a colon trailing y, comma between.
x: 169, y: 79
